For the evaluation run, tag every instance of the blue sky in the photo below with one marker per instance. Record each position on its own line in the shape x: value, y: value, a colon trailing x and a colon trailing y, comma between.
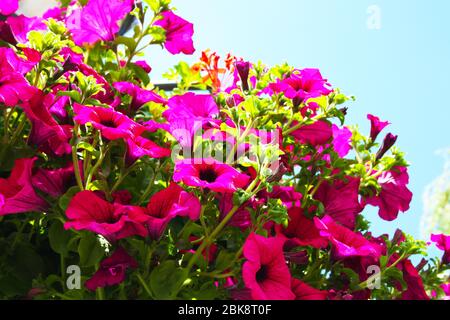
x: 399, y: 72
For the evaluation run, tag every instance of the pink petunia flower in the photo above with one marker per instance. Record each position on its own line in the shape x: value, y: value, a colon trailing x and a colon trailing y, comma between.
x: 22, y: 25
x: 376, y: 126
x: 341, y: 200
x: 112, y: 124
x: 443, y: 243
x: 209, y: 174
x: 265, y: 273
x: 8, y: 7
x: 143, y: 65
x: 304, y: 291
x: 87, y: 211
x: 179, y: 33
x: 341, y: 140
x: 139, y: 96
x: 241, y: 218
x: 97, y: 21
x: 346, y: 243
x: 54, y: 182
x: 318, y: 133
x: 191, y: 106
x: 164, y: 206
x: 16, y: 192
x: 139, y: 147
x: 415, y: 288
x: 394, y: 195
x: 112, y: 270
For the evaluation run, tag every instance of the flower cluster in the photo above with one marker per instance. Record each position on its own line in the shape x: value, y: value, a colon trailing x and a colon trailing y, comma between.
x: 244, y: 182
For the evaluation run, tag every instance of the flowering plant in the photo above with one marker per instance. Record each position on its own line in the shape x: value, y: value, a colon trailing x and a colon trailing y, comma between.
x: 240, y: 182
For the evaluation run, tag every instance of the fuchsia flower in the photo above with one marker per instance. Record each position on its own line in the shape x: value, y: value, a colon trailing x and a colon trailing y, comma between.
x: 8, y: 7
x: 341, y: 200
x: 97, y: 21
x: 87, y: 211
x: 22, y: 25
x: 209, y: 174
x: 341, y: 140
x: 241, y: 218
x: 265, y: 272
x: 191, y: 106
x: 346, y: 243
x: 443, y: 243
x: 112, y: 124
x: 302, y: 85
x: 143, y: 65
x: 376, y: 126
x: 54, y: 182
x: 394, y: 195
x: 112, y: 270
x: 179, y: 33
x: 318, y: 133
x: 411, y: 276
x: 304, y: 291
x: 166, y: 205
x: 139, y: 96
x: 139, y: 147
x: 16, y: 192
x: 287, y: 195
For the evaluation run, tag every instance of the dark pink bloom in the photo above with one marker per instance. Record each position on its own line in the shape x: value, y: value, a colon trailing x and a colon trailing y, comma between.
x: 302, y: 231
x: 376, y: 126
x: 388, y: 142
x: 112, y: 270
x: 341, y: 200
x: 97, y: 21
x: 346, y: 243
x: 302, y: 85
x: 139, y: 147
x: 411, y: 276
x: 55, y: 13
x: 87, y: 211
x: 144, y: 65
x: 318, y: 133
x: 243, y: 69
x: 287, y: 195
x: 166, y: 205
x: 191, y: 106
x: 179, y: 33
x: 54, y: 182
x: 22, y: 25
x: 11, y: 62
x: 112, y: 124
x: 241, y: 218
x: 394, y: 195
x: 139, y: 96
x: 342, y: 138
x: 16, y: 192
x: 265, y: 272
x: 443, y: 243
x: 8, y: 7
x: 304, y: 291
x: 209, y: 174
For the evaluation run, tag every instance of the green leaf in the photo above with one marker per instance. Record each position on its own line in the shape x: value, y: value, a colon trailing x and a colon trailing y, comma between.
x: 90, y: 250
x: 65, y: 199
x: 166, y: 279
x: 59, y: 238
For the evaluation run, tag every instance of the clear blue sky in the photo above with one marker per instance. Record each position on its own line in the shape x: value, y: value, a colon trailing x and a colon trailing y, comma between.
x: 399, y: 72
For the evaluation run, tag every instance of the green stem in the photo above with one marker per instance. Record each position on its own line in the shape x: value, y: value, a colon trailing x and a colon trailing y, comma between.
x: 97, y: 165
x: 149, y: 188
x: 76, y: 167
x: 144, y: 285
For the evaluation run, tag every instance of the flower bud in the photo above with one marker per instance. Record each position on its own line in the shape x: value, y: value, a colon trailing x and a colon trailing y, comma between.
x: 243, y: 68
x: 388, y: 142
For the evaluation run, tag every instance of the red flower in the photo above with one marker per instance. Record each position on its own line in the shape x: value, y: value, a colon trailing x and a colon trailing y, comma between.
x: 303, y: 291
x: 265, y: 272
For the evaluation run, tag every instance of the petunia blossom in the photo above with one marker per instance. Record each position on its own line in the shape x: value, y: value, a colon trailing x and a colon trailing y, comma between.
x: 341, y: 140
x: 22, y: 25
x: 112, y: 124
x: 112, y: 270
x: 54, y: 182
x: 87, y: 211
x: 209, y: 174
x: 376, y: 126
x: 139, y: 96
x: 97, y: 21
x: 191, y: 106
x: 304, y: 291
x: 394, y: 195
x: 179, y: 33
x: 17, y: 194
x: 443, y: 243
x: 139, y: 147
x: 265, y: 272
x: 415, y: 288
x: 317, y: 133
x: 8, y: 7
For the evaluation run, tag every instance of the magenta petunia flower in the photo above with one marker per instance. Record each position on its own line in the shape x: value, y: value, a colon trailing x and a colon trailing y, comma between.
x: 139, y: 147
x: 376, y: 126
x: 415, y: 289
x: 22, y: 25
x: 179, y: 33
x: 143, y: 65
x: 191, y: 106
x: 97, y: 21
x: 87, y: 211
x: 139, y: 96
x: 112, y: 124
x: 209, y: 174
x: 304, y: 291
x: 8, y: 7
x: 16, y: 192
x: 265, y: 273
x: 302, y: 85
x: 241, y: 218
x: 166, y: 205
x: 11, y: 62
x: 346, y: 243
x: 342, y: 138
x: 341, y: 200
x: 286, y: 194
x: 301, y: 230
x: 318, y: 133
x: 112, y: 270
x: 54, y: 182
x: 394, y: 195
x: 443, y: 243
